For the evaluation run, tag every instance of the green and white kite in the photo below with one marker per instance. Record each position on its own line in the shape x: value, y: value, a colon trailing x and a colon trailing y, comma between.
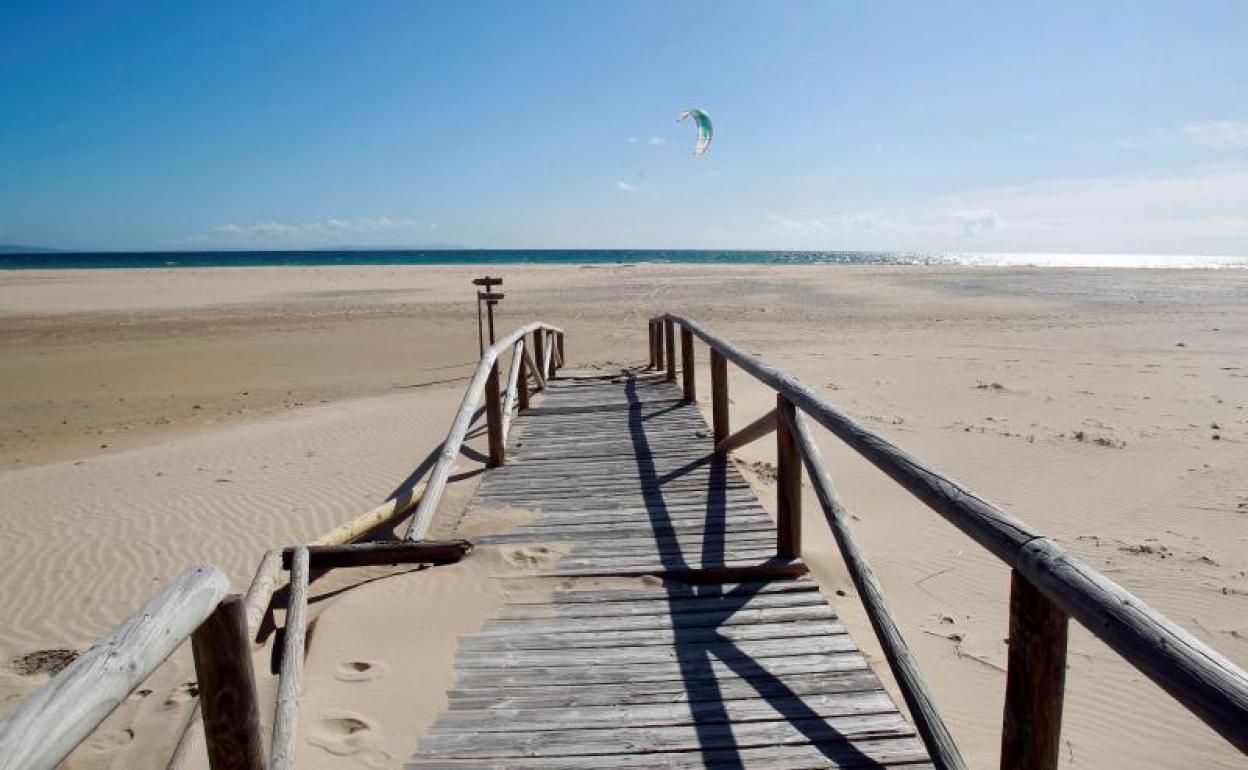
x: 704, y: 127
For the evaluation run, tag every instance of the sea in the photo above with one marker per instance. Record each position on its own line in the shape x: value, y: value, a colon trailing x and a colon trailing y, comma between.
x: 271, y: 258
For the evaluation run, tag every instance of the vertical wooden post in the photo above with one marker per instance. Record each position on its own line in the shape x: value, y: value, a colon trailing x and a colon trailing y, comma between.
x: 669, y: 334
x: 550, y: 374
x: 658, y: 344
x: 522, y: 382
x: 686, y: 365
x: 539, y: 350
x: 494, y: 417
x: 1035, y: 681
x: 559, y: 347
x: 654, y: 345
x: 227, y: 688
x: 788, y: 482
x: 719, y: 395
x: 285, y: 715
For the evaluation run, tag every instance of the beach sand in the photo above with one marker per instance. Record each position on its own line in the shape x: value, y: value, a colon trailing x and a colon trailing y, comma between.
x: 152, y: 419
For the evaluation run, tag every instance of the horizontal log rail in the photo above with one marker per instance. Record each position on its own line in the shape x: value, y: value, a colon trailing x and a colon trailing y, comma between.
x: 1204, y: 681
x: 53, y: 720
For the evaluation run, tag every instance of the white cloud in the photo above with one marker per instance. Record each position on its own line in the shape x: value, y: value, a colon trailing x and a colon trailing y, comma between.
x: 634, y: 139
x: 657, y: 141
x: 625, y: 187
x: 304, y: 233
x: 1204, y: 213
x: 1220, y: 134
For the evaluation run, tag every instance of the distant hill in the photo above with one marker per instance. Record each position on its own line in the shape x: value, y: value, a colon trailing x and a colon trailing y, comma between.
x: 415, y: 247
x: 17, y: 248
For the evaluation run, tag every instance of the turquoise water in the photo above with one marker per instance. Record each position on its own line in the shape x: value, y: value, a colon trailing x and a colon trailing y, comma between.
x: 150, y: 259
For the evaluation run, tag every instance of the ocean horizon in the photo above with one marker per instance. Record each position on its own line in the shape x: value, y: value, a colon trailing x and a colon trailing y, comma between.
x: 79, y: 260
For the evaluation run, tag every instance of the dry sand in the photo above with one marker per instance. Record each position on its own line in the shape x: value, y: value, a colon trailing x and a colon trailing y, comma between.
x: 150, y: 419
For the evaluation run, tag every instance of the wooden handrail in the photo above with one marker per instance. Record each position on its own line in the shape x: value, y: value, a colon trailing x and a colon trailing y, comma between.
x: 901, y: 661
x: 1207, y: 683
x: 436, y: 484
x: 53, y: 720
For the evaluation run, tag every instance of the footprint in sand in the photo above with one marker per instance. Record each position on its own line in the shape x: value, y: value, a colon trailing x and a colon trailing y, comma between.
x: 360, y: 671
x: 349, y: 735
x: 181, y: 694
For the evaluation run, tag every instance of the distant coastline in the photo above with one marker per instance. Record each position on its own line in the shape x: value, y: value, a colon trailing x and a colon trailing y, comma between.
x: 78, y: 260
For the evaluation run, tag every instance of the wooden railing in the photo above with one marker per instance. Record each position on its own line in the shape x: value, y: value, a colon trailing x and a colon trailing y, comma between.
x: 1048, y: 584
x: 49, y: 724
x: 52, y: 721
x: 542, y: 362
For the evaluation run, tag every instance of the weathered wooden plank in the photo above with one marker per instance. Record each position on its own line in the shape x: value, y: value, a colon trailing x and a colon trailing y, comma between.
x: 660, y: 671
x: 596, y: 533
x: 593, y: 407
x: 657, y: 739
x: 50, y: 722
x: 875, y: 753
x: 676, y: 691
x: 670, y: 593
x: 730, y: 570
x: 555, y: 627
x: 762, y: 648
x: 777, y: 708
x: 741, y: 556
x: 724, y: 605
x: 641, y: 637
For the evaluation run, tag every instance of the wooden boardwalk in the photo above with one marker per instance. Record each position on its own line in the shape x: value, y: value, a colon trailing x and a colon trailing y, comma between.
x: 699, y: 671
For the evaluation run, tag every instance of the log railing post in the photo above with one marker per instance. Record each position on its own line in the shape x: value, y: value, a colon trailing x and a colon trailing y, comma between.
x: 559, y: 347
x: 294, y: 642
x: 551, y: 367
x: 494, y: 417
x: 788, y: 482
x: 522, y: 383
x: 686, y: 366
x: 1035, y: 680
x: 227, y: 688
x: 539, y: 351
x: 719, y: 395
x: 654, y: 345
x: 669, y: 336
x: 658, y: 344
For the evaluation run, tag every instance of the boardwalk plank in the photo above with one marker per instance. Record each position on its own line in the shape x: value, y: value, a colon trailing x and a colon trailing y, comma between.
x: 749, y: 676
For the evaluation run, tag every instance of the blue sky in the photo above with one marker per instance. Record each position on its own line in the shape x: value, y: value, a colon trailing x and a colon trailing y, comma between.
x: 1109, y: 126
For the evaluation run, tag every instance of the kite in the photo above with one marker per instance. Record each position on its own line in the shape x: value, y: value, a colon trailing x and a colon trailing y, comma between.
x: 704, y: 128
